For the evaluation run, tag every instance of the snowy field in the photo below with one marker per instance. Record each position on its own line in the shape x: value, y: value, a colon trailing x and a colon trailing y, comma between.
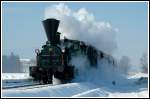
x: 134, y: 87
x: 8, y: 76
x: 15, y: 79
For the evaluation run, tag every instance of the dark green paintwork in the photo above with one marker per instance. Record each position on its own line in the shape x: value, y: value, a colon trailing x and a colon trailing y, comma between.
x: 49, y: 57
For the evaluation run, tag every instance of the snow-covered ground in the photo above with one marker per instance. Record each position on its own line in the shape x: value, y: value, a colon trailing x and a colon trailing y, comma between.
x: 8, y: 76
x: 15, y: 79
x: 135, y: 86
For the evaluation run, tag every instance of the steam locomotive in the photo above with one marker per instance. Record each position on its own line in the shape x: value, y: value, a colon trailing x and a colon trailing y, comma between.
x: 55, y: 56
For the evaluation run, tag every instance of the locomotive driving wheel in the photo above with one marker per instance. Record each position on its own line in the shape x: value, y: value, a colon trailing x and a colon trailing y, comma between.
x: 67, y: 75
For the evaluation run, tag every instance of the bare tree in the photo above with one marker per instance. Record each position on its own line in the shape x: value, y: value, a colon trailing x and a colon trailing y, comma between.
x: 124, y: 64
x: 144, y: 63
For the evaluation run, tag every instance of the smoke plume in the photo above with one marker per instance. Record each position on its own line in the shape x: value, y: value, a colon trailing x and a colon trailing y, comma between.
x: 81, y: 25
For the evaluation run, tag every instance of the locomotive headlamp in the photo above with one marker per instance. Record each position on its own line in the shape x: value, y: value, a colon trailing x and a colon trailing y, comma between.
x: 50, y: 49
x: 63, y: 50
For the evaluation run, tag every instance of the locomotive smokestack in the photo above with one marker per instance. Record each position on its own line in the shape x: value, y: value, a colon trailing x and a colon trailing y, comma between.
x: 51, y: 26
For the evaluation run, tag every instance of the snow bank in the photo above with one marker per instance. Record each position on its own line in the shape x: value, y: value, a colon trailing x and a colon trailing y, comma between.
x: 141, y: 94
x: 89, y: 88
x: 64, y: 90
x: 92, y: 93
x: 78, y: 90
x: 138, y: 75
x: 9, y: 76
x: 16, y: 79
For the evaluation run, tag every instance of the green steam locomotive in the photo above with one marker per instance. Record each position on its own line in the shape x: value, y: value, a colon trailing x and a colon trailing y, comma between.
x: 51, y: 60
x: 55, y: 56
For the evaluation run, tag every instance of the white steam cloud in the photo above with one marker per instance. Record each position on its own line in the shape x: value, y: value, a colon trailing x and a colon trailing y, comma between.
x: 104, y: 74
x: 81, y: 25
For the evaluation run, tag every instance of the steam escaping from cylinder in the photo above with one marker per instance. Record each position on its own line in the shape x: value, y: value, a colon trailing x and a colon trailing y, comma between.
x: 105, y: 73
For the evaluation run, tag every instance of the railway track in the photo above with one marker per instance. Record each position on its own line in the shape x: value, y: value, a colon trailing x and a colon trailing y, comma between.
x: 20, y: 83
x: 28, y: 86
x: 21, y: 86
x: 24, y: 84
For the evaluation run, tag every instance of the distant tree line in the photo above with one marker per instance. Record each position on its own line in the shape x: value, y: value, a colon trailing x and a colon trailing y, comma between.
x: 144, y: 62
x: 11, y: 64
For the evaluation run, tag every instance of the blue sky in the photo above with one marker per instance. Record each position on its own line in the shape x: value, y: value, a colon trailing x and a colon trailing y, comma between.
x: 22, y: 31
